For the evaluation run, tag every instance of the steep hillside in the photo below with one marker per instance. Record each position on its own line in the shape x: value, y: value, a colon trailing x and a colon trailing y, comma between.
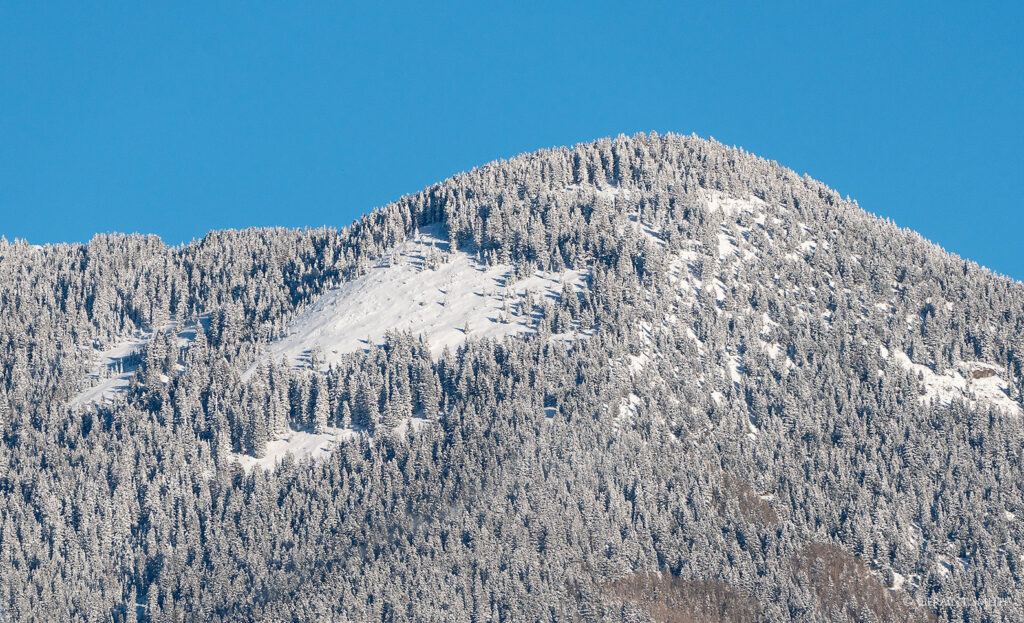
x: 649, y: 378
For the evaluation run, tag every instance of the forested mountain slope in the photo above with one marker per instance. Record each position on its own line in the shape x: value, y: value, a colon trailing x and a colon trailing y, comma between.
x: 649, y: 378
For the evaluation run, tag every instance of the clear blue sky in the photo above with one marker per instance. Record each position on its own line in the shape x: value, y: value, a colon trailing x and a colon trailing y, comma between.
x: 178, y: 118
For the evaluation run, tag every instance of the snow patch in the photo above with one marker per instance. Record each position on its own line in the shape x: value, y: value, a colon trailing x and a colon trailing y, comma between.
x: 734, y: 368
x: 113, y: 372
x: 726, y: 247
x: 458, y: 298
x: 637, y: 362
x: 733, y: 206
x: 898, y: 580
x: 975, y: 382
x: 298, y: 443
x: 719, y: 288
x: 752, y: 430
x: 627, y: 410
x: 772, y: 349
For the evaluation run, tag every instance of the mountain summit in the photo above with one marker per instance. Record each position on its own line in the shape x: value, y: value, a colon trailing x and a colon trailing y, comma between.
x: 643, y: 379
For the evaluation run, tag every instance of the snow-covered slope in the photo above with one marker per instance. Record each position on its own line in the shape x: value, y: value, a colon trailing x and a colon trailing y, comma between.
x: 422, y: 288
x: 300, y: 444
x: 115, y: 366
x: 981, y: 384
x: 113, y: 371
x: 975, y: 382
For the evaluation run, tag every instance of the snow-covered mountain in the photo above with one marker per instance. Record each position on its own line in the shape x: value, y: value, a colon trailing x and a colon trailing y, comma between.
x: 649, y: 378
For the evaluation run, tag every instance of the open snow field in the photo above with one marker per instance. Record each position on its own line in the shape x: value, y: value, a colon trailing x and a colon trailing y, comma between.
x: 974, y: 382
x: 456, y: 298
x: 300, y: 444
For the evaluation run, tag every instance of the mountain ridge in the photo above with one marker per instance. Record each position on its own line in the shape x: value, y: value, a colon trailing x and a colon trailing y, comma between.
x: 705, y: 388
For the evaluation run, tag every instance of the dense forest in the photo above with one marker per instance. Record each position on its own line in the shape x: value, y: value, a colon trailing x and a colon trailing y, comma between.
x: 765, y: 404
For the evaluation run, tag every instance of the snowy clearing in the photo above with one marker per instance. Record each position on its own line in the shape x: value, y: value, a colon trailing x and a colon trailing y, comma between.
x: 733, y: 206
x: 298, y: 443
x: 115, y: 366
x: 627, y: 410
x: 113, y: 372
x: 402, y: 292
x: 974, y: 382
x: 303, y: 444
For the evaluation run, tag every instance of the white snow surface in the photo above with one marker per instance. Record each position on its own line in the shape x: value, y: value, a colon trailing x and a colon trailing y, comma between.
x: 974, y: 382
x: 402, y: 292
x: 627, y: 410
x: 106, y: 383
x: 298, y: 443
x: 302, y: 444
x: 898, y: 580
x: 734, y: 206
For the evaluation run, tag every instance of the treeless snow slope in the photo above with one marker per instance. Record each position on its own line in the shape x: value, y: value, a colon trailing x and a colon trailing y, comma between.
x: 404, y: 292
